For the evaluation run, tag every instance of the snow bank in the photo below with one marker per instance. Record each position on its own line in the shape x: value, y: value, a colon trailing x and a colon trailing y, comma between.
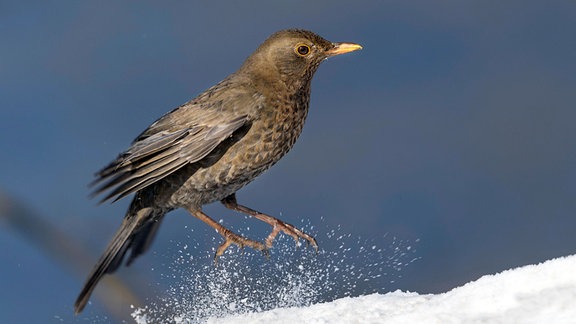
x: 543, y: 293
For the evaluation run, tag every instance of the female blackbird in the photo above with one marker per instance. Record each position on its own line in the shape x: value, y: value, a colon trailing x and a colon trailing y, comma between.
x: 213, y: 145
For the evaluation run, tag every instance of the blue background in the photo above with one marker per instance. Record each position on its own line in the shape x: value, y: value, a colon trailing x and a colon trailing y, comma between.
x: 453, y: 129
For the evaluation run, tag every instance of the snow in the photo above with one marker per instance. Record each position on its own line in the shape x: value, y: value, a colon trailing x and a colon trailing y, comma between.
x: 245, y: 282
x: 291, y: 287
x: 543, y: 293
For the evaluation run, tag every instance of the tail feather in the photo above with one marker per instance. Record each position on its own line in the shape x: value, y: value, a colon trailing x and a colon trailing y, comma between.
x: 114, y: 253
x: 142, y: 240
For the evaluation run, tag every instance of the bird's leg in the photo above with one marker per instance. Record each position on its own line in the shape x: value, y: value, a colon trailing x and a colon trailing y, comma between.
x: 229, y: 236
x: 277, y: 225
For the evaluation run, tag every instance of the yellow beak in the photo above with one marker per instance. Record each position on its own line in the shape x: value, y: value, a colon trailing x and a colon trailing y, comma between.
x: 342, y: 48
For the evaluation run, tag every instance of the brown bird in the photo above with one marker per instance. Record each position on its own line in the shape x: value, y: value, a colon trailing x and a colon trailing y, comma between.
x: 210, y: 147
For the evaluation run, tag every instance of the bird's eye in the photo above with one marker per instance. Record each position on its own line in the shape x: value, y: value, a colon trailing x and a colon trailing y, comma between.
x: 302, y: 49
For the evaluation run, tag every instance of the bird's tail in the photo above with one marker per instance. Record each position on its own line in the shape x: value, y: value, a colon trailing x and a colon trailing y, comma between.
x: 135, y: 233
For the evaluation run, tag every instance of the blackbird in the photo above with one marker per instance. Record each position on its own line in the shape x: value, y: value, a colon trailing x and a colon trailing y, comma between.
x: 210, y: 147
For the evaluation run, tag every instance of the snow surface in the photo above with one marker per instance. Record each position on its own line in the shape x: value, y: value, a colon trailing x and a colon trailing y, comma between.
x: 543, y: 293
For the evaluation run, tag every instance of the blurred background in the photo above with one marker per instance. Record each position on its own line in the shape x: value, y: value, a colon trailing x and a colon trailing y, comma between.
x: 453, y: 129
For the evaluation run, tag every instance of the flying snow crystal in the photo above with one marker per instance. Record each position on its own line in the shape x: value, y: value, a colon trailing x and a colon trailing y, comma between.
x: 244, y: 282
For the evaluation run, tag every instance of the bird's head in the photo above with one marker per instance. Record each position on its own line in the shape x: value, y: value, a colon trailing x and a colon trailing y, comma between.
x: 294, y: 55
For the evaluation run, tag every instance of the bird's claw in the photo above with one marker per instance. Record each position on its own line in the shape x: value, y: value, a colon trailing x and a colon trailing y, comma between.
x: 295, y: 233
x: 241, y: 242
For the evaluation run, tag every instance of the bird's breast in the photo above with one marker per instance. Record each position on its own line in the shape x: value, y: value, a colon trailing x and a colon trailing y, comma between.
x: 280, y: 127
x: 268, y: 138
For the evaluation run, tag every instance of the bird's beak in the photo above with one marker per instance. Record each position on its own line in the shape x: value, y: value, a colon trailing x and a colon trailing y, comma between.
x: 342, y: 48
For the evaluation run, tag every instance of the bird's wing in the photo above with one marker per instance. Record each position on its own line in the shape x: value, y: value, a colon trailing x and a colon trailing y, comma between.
x: 166, y: 146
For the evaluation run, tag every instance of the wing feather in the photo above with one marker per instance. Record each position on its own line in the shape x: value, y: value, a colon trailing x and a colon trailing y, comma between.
x: 154, y: 156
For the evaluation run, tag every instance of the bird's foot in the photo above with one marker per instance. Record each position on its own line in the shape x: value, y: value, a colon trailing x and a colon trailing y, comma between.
x: 240, y: 241
x: 277, y: 225
x: 280, y: 226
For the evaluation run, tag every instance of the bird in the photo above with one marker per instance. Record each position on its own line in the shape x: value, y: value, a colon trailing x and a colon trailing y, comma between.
x: 208, y: 148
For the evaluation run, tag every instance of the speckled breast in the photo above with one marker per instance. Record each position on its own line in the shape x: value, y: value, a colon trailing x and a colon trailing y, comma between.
x: 248, y: 153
